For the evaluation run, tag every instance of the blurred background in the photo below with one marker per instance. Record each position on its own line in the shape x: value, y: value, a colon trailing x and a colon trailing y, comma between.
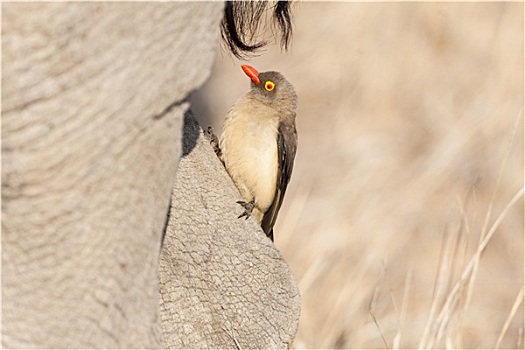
x: 410, y: 152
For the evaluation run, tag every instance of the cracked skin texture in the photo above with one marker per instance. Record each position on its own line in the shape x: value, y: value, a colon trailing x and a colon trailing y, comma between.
x: 89, y: 156
x: 223, y: 282
x: 93, y: 102
x: 92, y: 111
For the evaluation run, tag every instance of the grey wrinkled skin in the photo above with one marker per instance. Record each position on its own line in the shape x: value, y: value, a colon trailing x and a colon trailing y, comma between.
x: 222, y: 281
x: 93, y: 99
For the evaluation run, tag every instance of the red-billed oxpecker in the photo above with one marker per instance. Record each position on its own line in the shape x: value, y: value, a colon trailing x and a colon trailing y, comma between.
x: 258, y: 145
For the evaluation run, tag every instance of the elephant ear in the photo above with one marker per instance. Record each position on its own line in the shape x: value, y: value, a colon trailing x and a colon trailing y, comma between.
x: 223, y: 283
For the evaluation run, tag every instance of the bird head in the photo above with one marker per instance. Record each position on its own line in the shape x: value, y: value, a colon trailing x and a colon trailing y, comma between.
x: 271, y: 88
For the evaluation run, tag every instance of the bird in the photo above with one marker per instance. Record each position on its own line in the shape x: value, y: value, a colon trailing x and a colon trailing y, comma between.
x: 258, y: 145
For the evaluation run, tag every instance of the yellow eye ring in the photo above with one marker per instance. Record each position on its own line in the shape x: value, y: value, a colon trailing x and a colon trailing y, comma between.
x: 269, y: 85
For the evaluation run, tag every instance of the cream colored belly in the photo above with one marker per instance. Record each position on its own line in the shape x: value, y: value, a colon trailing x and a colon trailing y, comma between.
x: 250, y: 156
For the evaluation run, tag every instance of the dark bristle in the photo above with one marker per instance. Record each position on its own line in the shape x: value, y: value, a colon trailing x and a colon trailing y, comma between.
x: 283, y: 18
x: 242, y: 20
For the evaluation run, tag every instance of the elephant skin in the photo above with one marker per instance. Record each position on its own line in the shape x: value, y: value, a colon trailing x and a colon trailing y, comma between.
x: 93, y: 103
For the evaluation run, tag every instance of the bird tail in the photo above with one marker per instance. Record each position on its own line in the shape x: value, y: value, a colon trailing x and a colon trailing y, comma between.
x: 270, y: 234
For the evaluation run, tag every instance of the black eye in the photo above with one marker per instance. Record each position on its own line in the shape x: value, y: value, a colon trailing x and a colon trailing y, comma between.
x: 269, y: 85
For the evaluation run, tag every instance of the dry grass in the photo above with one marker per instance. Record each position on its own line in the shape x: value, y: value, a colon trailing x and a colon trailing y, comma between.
x: 403, y: 222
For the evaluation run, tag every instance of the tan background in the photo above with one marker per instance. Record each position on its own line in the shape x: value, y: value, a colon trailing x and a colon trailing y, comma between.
x: 406, y: 112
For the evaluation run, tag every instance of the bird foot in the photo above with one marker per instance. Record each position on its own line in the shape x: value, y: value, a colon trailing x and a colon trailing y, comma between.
x: 248, y: 208
x: 214, y: 141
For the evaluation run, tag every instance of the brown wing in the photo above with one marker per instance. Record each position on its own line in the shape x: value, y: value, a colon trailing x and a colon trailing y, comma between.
x: 286, y: 148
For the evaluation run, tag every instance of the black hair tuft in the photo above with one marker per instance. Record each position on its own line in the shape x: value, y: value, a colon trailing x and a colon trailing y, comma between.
x: 241, y: 22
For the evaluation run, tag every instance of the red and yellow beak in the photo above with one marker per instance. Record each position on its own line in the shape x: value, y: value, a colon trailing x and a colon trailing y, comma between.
x: 252, y: 73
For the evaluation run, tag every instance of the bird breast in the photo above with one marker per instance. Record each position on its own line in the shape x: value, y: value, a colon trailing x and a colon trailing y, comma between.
x: 249, y: 146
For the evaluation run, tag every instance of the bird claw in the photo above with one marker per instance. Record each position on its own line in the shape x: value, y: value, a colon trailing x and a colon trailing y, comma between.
x: 248, y: 208
x: 214, y: 141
